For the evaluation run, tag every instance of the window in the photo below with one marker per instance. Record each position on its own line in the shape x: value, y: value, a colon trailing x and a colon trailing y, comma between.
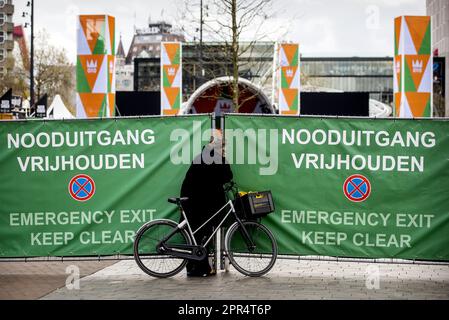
x: 2, y: 3
x: 2, y: 36
x: 2, y: 18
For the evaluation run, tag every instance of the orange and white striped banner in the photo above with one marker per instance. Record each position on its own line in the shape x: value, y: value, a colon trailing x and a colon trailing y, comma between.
x: 290, y: 77
x: 413, y: 67
x: 171, y: 78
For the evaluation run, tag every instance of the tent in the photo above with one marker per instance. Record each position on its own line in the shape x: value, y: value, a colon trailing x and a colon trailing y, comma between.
x: 58, y: 110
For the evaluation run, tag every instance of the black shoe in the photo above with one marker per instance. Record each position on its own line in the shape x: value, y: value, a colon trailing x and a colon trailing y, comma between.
x: 196, y: 274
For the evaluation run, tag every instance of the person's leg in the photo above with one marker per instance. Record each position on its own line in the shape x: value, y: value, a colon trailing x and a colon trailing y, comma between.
x: 189, y: 211
x: 193, y: 210
x: 196, y: 219
x: 200, y: 268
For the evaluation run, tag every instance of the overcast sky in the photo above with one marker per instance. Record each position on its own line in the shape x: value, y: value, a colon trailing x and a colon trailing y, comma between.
x: 322, y: 27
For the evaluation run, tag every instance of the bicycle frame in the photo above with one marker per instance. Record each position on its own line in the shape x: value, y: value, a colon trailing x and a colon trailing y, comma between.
x: 178, y: 250
x: 192, y: 233
x: 187, y: 247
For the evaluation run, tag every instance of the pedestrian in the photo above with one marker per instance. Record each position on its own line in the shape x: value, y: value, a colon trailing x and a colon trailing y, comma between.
x: 203, y: 185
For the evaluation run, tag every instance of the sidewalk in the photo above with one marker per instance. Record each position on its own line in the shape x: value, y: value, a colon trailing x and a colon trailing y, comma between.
x: 33, y: 280
x: 289, y: 279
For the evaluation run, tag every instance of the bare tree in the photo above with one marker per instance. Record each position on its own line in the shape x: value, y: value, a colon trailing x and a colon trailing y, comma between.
x: 14, y: 78
x: 238, y: 26
x: 54, y: 74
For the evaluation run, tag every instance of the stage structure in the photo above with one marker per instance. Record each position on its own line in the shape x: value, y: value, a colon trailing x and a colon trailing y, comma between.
x: 95, y: 67
x: 413, y: 64
x: 289, y: 73
x: 171, y: 78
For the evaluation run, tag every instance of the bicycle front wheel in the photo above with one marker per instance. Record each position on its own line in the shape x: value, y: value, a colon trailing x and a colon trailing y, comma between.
x: 251, y: 261
x: 148, y: 259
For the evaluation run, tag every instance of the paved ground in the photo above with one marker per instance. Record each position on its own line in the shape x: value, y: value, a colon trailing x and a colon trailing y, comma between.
x: 33, y: 280
x: 289, y: 279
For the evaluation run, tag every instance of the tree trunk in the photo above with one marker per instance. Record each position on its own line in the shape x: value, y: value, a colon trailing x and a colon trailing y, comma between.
x: 235, y: 56
x: 38, y: 93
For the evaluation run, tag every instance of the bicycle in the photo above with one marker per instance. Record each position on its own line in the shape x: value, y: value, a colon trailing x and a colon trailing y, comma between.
x: 163, y: 247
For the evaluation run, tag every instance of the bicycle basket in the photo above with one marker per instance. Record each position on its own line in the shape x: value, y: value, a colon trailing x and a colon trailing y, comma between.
x: 254, y: 205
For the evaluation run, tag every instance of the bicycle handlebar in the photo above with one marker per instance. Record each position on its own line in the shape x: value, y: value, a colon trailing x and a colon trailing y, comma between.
x: 230, y: 186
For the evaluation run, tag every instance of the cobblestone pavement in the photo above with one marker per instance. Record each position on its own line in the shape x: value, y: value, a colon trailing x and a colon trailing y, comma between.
x: 32, y: 280
x: 289, y: 279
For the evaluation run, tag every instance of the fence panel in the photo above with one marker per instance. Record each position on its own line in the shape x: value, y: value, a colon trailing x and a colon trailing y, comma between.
x: 366, y: 188
x: 83, y: 187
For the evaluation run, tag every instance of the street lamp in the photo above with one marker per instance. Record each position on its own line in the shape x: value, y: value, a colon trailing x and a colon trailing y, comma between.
x: 203, y: 13
x: 31, y: 4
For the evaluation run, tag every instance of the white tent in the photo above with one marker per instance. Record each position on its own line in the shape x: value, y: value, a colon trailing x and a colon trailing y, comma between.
x: 58, y: 110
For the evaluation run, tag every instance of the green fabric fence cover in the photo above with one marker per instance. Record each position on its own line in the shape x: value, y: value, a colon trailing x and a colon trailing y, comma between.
x: 348, y: 187
x: 84, y: 187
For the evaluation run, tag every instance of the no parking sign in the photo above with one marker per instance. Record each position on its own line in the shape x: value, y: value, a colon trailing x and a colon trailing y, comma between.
x: 82, y: 187
x: 357, y: 188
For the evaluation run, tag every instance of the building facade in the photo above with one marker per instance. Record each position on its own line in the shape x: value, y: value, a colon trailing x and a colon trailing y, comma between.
x: 212, y: 60
x: 439, y: 11
x: 139, y: 69
x: 146, y: 42
x: 351, y: 74
x: 124, y: 73
x: 6, y: 35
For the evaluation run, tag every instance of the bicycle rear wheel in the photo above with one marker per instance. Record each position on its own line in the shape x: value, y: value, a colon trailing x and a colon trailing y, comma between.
x: 145, y: 253
x: 253, y: 262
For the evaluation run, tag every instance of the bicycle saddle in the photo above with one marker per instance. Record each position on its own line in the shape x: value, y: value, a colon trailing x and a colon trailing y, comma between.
x: 177, y: 200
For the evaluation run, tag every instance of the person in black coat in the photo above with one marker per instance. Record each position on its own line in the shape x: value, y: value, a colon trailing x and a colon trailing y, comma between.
x: 203, y: 185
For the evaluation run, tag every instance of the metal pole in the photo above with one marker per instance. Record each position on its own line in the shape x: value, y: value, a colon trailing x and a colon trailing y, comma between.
x: 201, y: 30
x: 32, y: 56
x: 221, y: 234
x: 201, y: 42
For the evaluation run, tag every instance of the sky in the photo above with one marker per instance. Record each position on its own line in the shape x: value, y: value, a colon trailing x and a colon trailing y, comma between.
x: 322, y: 27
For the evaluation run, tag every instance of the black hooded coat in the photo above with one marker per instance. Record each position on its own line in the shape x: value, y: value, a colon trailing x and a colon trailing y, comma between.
x: 203, y: 185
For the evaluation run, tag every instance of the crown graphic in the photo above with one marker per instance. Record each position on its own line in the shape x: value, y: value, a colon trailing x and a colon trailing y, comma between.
x: 225, y: 106
x: 417, y: 66
x: 289, y: 73
x: 91, y: 66
x: 171, y: 71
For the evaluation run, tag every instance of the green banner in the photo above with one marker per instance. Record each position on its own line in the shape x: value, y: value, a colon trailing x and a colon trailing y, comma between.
x: 84, y: 187
x: 348, y: 187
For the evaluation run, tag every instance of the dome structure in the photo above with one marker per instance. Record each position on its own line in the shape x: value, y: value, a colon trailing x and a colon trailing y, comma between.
x: 215, y: 96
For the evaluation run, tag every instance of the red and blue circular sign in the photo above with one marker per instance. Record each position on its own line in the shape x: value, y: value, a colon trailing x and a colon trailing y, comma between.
x: 82, y: 187
x: 357, y: 188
